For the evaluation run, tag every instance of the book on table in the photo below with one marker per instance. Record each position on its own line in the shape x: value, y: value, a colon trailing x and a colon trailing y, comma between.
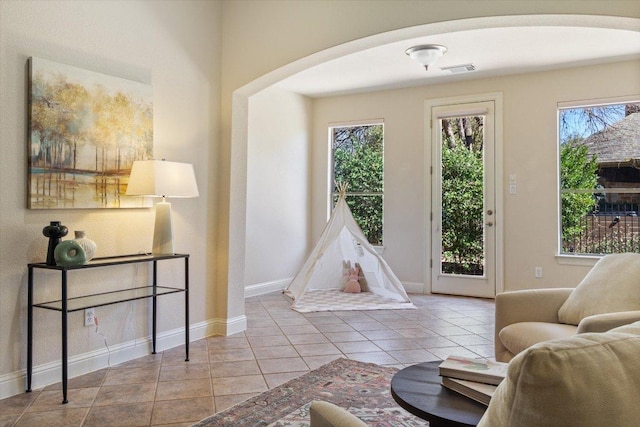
x: 478, y: 370
x: 479, y: 392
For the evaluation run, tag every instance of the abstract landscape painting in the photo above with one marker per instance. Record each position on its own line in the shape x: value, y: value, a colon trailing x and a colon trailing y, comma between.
x: 85, y: 131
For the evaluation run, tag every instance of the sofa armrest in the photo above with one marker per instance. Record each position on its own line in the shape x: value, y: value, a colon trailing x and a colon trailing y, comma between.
x: 530, y: 305
x: 325, y: 414
x: 607, y: 321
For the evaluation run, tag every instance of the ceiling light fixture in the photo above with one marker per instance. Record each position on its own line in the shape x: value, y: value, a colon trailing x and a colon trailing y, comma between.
x: 426, y: 54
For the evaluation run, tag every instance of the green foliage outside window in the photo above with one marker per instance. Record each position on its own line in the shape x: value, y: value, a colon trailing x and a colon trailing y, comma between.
x: 462, y: 210
x: 358, y: 161
x: 577, y: 171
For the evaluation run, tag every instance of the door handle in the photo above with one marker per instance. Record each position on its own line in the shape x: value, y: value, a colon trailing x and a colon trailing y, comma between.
x: 490, y: 224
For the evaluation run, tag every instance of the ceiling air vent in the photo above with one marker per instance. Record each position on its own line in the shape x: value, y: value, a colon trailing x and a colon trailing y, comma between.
x: 457, y: 69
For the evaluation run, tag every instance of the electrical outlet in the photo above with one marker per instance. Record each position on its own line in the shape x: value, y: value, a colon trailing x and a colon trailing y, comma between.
x: 89, y: 317
x: 539, y: 272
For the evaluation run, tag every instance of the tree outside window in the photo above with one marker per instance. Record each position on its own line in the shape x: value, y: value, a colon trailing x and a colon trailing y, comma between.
x: 357, y: 160
x: 600, y: 178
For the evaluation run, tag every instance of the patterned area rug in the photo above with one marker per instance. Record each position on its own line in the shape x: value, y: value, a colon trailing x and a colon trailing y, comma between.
x: 336, y: 300
x: 361, y: 388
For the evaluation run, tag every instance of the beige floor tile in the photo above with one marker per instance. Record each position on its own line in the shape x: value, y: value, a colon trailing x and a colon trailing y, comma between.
x: 379, y: 357
x: 225, y: 402
x: 279, y: 351
x: 225, y: 343
x: 413, y: 356
x: 8, y: 420
x: 274, y: 380
x: 234, y: 369
x: 239, y: 385
x: 120, y: 415
x: 385, y: 334
x: 125, y: 393
x: 314, y: 362
x: 92, y: 379
x: 65, y: 417
x: 335, y: 327
x: 52, y: 399
x: 290, y: 364
x: 345, y: 336
x: 141, y: 361
x: 182, y: 410
x: 137, y: 375
x: 397, y: 344
x: 357, y: 347
x: 184, y: 389
x: 268, y: 341
x: 18, y: 403
x: 229, y: 355
x: 316, y: 349
x: 296, y: 330
x: 307, y: 339
x: 186, y: 371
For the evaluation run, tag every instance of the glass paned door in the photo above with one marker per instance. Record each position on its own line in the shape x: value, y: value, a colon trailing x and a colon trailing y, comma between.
x: 463, y: 211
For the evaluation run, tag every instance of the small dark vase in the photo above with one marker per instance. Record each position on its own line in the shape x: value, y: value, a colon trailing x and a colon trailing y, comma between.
x: 54, y: 232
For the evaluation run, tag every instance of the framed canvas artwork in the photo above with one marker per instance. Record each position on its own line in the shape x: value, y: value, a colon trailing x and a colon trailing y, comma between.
x: 85, y: 129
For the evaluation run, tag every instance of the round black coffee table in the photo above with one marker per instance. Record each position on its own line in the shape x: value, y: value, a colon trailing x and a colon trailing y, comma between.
x: 418, y: 390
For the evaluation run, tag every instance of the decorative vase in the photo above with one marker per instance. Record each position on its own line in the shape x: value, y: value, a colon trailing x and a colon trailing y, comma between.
x: 87, y: 244
x: 54, y: 231
x: 69, y: 252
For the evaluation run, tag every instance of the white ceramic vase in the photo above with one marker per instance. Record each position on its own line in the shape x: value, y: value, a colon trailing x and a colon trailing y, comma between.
x: 88, y: 245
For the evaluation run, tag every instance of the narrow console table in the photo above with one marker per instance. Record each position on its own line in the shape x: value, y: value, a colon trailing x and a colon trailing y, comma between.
x: 67, y: 305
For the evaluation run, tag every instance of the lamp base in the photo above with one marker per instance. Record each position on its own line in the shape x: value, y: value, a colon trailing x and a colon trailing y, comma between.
x: 163, y: 231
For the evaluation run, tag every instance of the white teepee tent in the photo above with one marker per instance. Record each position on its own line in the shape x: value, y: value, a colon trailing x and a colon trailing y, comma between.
x: 343, y: 241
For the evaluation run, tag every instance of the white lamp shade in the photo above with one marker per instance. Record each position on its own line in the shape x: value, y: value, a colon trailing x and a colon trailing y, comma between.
x: 160, y: 178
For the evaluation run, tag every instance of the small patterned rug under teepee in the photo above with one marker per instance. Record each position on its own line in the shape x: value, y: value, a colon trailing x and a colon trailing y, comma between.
x: 336, y: 300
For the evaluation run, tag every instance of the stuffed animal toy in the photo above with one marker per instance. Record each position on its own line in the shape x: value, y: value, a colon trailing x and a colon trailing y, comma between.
x: 361, y: 279
x: 353, y: 286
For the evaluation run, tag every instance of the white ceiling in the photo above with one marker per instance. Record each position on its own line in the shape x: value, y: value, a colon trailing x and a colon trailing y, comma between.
x: 493, y: 51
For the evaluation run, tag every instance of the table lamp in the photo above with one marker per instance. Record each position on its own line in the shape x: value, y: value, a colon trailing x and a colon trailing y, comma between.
x: 159, y: 178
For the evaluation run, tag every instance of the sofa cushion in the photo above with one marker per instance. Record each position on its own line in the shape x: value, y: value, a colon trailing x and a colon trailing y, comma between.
x: 520, y: 336
x: 612, y: 285
x: 588, y: 380
x: 632, y: 328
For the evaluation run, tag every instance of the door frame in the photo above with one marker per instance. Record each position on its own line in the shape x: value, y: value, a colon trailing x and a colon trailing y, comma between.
x: 429, y: 104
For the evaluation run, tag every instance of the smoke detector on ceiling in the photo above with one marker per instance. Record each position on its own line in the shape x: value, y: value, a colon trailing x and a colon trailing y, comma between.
x: 458, y: 69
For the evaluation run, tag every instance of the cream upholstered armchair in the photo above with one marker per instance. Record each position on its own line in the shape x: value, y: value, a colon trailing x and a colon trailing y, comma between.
x: 586, y: 380
x: 608, y: 297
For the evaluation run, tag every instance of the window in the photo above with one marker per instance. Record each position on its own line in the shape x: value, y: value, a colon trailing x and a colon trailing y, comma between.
x: 357, y: 159
x: 599, y: 178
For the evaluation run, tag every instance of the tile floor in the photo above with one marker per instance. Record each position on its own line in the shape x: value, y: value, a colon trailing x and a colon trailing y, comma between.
x: 279, y: 344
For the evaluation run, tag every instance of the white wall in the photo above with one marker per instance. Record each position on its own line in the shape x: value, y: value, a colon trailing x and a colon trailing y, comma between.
x: 175, y: 46
x: 278, y: 172
x: 530, y: 152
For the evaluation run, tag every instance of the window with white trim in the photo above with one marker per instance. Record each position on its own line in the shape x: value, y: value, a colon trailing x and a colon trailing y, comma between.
x: 357, y: 153
x: 599, y: 185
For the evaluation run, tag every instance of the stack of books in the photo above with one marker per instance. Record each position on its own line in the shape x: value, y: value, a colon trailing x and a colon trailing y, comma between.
x: 474, y: 378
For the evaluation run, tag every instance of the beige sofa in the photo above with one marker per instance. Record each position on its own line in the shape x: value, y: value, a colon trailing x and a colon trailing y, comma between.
x: 609, y: 296
x: 586, y: 380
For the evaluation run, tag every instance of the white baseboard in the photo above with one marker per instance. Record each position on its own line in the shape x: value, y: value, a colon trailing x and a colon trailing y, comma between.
x: 266, y: 287
x: 50, y: 373
x: 413, y: 287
